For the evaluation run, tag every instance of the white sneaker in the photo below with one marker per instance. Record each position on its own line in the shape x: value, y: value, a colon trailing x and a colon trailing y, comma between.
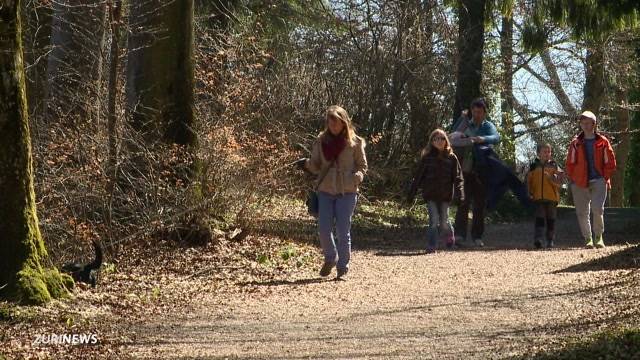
x: 478, y: 242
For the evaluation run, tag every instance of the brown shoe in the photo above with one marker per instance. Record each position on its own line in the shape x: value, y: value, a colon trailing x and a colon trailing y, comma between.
x: 326, y: 268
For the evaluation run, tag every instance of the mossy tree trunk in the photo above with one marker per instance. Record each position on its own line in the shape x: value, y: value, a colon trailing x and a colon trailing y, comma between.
x: 159, y: 71
x: 22, y: 249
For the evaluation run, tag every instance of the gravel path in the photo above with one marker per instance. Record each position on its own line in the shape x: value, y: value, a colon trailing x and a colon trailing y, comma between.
x: 495, y: 302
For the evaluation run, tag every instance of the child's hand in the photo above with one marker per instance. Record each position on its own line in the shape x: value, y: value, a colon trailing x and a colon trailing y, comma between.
x: 560, y: 177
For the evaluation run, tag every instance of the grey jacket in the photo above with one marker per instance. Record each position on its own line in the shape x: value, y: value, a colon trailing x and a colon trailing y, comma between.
x: 346, y: 174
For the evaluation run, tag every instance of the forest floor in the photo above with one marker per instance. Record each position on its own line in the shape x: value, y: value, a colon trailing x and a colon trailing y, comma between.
x: 501, y: 301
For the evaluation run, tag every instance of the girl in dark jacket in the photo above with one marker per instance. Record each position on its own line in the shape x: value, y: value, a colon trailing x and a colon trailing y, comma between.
x: 440, y: 177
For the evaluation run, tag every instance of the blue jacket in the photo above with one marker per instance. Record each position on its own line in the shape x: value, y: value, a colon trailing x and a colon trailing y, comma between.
x: 463, y: 147
x: 486, y: 129
x: 497, y: 177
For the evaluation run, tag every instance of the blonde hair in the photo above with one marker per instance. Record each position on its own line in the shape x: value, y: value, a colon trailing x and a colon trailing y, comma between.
x: 430, y: 148
x: 341, y: 114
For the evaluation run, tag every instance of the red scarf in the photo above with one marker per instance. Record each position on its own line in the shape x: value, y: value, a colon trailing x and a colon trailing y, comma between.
x: 332, y: 146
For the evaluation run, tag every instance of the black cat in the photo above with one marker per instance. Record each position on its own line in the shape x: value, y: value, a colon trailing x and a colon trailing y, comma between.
x: 87, y: 273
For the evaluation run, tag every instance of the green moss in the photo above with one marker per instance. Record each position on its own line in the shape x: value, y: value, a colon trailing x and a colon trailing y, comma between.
x: 13, y: 313
x: 68, y: 282
x: 32, y: 290
x: 31, y: 285
x: 39, y: 287
x: 56, y: 283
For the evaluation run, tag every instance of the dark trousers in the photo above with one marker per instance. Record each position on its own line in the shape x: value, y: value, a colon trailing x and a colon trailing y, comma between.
x: 545, y: 211
x: 475, y: 196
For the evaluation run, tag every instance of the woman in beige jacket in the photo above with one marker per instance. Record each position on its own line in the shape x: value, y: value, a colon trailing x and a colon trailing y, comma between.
x: 339, y: 160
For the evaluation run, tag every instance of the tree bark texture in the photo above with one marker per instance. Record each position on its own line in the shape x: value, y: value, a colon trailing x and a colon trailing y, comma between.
x: 159, y: 71
x: 22, y: 249
x: 471, y: 14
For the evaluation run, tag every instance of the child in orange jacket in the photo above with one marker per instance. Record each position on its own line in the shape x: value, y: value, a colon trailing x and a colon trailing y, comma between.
x: 543, y: 181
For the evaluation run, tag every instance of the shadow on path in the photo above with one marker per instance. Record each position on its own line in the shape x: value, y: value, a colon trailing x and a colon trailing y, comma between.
x: 625, y: 259
x: 288, y: 282
x: 392, y: 235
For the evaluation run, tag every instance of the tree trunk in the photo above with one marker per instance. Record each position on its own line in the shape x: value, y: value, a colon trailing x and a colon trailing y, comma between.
x: 632, y: 173
x: 37, y: 37
x: 160, y: 71
x: 594, y: 80
x: 623, y: 122
x: 555, y: 84
x: 74, y: 67
x: 508, y: 143
x: 633, y: 166
x: 22, y: 249
x: 470, y: 52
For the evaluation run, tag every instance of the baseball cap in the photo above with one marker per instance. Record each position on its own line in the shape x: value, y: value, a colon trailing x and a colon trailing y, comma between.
x: 589, y: 115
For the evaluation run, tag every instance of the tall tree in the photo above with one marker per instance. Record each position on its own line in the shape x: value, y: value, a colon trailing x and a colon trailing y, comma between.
x: 471, y: 19
x: 74, y: 68
x: 588, y: 19
x: 36, y: 35
x: 622, y: 126
x: 22, y: 276
x: 508, y: 143
x: 632, y: 176
x: 633, y: 165
x: 159, y: 71
x: 594, y: 85
x: 594, y: 21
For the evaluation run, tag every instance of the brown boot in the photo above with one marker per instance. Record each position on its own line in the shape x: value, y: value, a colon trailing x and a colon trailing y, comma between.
x: 326, y: 268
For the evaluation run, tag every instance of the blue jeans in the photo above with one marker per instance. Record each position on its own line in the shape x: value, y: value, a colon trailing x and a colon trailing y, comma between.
x: 439, y: 225
x: 338, y: 209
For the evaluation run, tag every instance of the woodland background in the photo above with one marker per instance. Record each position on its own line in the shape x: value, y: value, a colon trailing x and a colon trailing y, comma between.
x: 157, y: 126
x: 176, y: 117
